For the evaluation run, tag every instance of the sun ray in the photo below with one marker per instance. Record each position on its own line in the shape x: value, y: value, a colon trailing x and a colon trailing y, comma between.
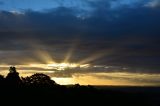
x: 45, y: 56
x: 96, y: 56
x: 68, y: 55
x: 92, y: 58
x: 71, y: 50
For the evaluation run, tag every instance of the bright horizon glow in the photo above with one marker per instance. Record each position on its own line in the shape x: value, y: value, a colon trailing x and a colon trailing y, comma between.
x: 109, y: 79
x: 83, y: 73
x: 112, y: 79
x: 56, y: 66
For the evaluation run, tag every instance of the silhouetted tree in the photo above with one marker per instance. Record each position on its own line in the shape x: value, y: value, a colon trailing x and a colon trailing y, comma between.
x: 38, y: 79
x: 13, y: 77
x: 12, y: 70
x: 1, y: 78
x: 39, y: 88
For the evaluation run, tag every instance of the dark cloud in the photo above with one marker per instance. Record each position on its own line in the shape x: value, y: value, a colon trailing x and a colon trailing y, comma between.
x: 125, y: 37
x: 97, y: 70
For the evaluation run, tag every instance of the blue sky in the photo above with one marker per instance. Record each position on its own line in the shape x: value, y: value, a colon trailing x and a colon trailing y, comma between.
x: 87, y: 5
x: 81, y: 8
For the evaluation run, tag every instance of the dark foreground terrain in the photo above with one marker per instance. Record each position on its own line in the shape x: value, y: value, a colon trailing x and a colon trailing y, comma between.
x: 81, y: 95
x: 38, y: 89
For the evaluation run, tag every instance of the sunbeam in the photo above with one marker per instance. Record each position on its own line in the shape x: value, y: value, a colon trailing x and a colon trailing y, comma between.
x: 95, y: 56
x: 70, y: 52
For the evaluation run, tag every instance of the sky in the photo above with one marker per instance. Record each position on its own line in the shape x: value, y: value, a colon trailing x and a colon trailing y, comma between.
x: 99, y: 42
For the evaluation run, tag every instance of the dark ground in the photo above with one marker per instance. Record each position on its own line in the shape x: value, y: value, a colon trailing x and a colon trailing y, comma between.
x: 39, y: 89
x: 84, y: 95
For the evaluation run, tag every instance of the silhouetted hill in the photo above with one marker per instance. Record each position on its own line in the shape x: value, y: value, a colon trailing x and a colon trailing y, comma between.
x: 39, y: 89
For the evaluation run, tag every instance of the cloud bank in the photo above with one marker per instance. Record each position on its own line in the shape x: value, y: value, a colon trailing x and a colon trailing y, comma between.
x: 121, y: 33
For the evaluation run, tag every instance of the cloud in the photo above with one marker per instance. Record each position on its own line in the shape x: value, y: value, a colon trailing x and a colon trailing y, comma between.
x: 153, y: 4
x: 134, y: 78
x: 125, y: 37
x: 116, y: 4
x: 114, y: 36
x: 83, y: 8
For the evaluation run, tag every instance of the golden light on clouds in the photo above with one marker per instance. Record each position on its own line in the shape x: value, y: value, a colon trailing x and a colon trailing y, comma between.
x: 116, y: 79
x: 90, y: 78
x: 82, y: 72
x: 56, y: 66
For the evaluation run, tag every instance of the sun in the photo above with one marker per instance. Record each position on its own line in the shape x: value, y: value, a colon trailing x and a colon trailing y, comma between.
x: 62, y: 66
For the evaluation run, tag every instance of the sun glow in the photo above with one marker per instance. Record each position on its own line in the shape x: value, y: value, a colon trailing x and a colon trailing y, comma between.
x: 56, y: 66
x: 62, y: 66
